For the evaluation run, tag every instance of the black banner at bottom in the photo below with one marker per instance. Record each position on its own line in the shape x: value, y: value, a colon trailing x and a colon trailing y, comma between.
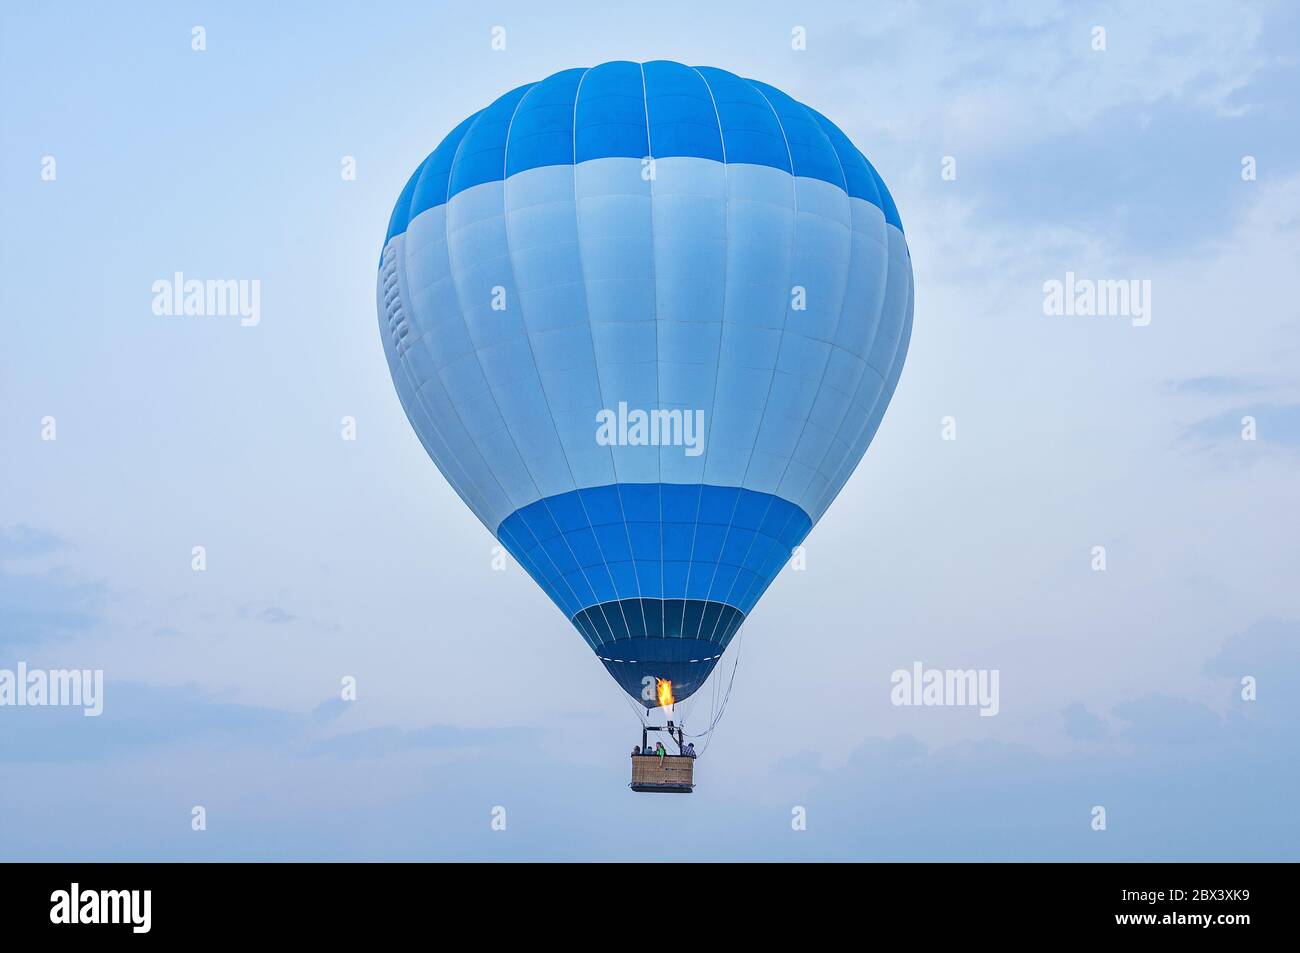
x: 94, y: 902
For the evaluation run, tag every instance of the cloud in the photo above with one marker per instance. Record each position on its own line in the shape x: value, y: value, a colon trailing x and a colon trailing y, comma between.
x: 1180, y: 781
x: 1173, y: 781
x: 800, y: 763
x: 39, y: 602
x: 23, y: 542
x: 1269, y: 652
x: 1213, y: 385
x: 139, y: 718
x: 330, y: 709
x: 374, y: 742
x: 1004, y: 76
x: 275, y: 616
x: 1083, y: 725
x: 1157, y: 720
x: 43, y: 605
x: 1050, y: 135
x: 1277, y: 427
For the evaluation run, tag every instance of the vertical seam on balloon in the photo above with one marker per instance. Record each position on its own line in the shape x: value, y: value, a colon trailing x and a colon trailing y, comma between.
x: 888, y: 261
x: 495, y: 530
x: 866, y: 433
x: 551, y: 589
x: 890, y: 383
x: 600, y: 387
x: 410, y: 204
x: 410, y: 201
x: 743, y: 600
x: 447, y: 245
x: 881, y: 191
x: 523, y: 322
x: 824, y: 122
x: 717, y: 369
x: 408, y: 303
x: 751, y: 596
x: 885, y: 374
x: 432, y: 418
x: 505, y: 219
x: 821, y: 381
x: 794, y: 241
x: 399, y: 363
x: 884, y: 380
x: 654, y: 290
x: 460, y: 307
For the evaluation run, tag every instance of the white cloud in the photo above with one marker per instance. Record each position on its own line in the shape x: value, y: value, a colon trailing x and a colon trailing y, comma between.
x: 990, y: 78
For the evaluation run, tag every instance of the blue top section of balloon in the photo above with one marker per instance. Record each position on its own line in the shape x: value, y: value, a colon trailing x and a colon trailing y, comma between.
x: 659, y: 109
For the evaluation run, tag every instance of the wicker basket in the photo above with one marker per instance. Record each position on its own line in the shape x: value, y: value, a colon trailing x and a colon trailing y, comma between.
x: 675, y: 774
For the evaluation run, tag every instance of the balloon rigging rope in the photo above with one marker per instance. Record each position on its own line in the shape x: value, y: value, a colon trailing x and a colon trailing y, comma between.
x: 716, y: 710
x: 636, y: 709
x: 713, y: 703
x: 716, y: 718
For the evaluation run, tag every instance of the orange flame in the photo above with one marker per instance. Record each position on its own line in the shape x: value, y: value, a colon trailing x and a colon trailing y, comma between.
x: 665, y: 689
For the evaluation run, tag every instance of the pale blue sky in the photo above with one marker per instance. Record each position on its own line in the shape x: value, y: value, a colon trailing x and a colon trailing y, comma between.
x: 329, y: 558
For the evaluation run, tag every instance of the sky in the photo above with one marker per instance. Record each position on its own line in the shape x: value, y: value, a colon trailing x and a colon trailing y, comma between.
x: 1020, y: 145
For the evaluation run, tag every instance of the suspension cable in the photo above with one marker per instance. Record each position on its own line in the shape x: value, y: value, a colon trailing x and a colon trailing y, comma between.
x: 716, y: 710
x: 716, y: 717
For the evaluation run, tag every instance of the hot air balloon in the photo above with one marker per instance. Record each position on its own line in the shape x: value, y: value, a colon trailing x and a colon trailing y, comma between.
x: 646, y: 319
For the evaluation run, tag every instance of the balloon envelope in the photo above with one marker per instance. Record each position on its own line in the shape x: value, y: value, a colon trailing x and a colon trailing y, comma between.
x: 646, y: 318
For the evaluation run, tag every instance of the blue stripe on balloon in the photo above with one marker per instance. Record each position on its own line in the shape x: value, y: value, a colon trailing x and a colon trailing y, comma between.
x: 482, y: 153
x: 810, y: 150
x: 632, y: 110
x: 609, y: 116
x: 858, y: 173
x: 641, y: 641
x: 886, y: 203
x: 751, y: 132
x: 542, y: 133
x: 400, y: 218
x: 655, y: 541
x: 427, y: 188
x: 680, y: 112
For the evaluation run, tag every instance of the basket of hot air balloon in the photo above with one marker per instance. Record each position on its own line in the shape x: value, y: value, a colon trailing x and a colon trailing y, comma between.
x: 646, y: 319
x: 667, y: 774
